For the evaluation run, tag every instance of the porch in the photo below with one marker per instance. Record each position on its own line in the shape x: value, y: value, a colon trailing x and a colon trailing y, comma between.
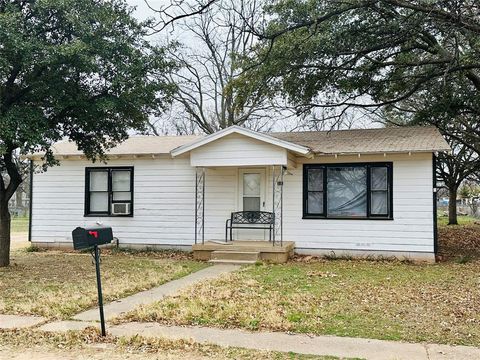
x: 254, y: 191
x: 241, y: 172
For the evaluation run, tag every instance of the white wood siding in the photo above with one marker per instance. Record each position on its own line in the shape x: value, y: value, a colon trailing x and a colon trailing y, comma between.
x: 164, y: 205
x: 238, y: 150
x: 163, y: 202
x: 220, y: 200
x: 411, y: 229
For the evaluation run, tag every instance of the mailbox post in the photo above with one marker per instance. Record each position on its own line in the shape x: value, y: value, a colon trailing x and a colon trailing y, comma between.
x: 96, y: 255
x: 90, y: 238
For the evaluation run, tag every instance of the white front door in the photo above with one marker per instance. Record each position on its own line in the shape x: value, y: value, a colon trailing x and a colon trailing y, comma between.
x: 251, y: 198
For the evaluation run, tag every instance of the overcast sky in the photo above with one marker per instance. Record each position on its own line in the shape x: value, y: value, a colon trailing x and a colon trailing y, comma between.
x: 143, y: 11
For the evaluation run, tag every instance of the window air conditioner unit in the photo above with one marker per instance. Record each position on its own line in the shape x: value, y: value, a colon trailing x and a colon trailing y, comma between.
x: 121, y: 209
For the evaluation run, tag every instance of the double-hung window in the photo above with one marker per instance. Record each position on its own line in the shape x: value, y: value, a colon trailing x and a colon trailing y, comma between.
x: 348, y: 191
x: 109, y: 191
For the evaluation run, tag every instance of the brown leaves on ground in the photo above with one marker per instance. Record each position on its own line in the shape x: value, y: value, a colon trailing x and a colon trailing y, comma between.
x: 321, y: 274
x: 459, y: 242
x: 384, y: 300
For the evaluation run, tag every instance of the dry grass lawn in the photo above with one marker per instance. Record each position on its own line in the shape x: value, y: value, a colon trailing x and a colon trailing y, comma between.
x: 462, y: 220
x: 383, y: 300
x: 28, y: 344
x: 58, y: 285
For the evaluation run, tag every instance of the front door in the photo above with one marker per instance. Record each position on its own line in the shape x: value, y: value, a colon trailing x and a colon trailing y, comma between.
x: 251, y: 198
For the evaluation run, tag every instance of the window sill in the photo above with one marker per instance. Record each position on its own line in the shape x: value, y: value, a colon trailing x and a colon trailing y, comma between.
x: 313, y: 217
x: 106, y: 215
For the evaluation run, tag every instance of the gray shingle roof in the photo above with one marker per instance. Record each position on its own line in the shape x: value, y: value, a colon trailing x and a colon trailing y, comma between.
x: 135, y: 145
x: 382, y: 140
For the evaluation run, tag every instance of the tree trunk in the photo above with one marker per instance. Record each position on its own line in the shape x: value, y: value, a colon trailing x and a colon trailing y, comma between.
x: 4, y: 234
x: 452, y: 206
x: 6, y: 193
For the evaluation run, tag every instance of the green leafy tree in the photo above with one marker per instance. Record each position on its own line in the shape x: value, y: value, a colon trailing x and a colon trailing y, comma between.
x: 464, y: 192
x: 469, y: 190
x: 443, y: 106
x: 337, y: 56
x: 418, y: 61
x: 76, y: 69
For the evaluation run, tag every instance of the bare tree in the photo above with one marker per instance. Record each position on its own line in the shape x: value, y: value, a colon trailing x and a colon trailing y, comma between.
x: 214, y: 41
x: 172, y: 12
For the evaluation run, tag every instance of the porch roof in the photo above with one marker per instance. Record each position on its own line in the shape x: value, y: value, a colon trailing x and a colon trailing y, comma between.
x: 296, y: 148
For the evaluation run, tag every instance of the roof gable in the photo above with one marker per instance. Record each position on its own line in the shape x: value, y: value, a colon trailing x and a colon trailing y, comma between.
x: 302, y: 150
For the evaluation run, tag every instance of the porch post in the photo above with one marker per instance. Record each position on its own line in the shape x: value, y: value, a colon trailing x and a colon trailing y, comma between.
x: 277, y: 201
x: 200, y: 204
x: 274, y: 205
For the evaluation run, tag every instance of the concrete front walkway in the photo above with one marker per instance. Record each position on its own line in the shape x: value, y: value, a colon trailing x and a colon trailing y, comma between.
x: 19, y: 321
x: 302, y: 344
x: 129, y: 303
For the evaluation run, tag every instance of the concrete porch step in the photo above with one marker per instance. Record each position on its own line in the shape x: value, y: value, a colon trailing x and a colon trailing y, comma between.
x: 232, y: 262
x: 234, y: 257
x: 229, y: 255
x: 263, y: 250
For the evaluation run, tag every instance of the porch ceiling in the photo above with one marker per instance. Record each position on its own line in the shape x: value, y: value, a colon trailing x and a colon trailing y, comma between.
x: 245, y: 158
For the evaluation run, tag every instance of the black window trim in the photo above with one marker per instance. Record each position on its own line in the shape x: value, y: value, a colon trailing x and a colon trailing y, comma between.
x: 368, y: 165
x: 110, y: 169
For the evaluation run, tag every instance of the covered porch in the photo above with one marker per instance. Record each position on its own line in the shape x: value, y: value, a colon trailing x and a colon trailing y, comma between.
x: 239, y: 214
x: 239, y: 182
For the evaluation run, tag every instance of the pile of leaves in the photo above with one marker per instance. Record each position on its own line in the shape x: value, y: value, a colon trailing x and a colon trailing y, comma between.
x: 459, y: 242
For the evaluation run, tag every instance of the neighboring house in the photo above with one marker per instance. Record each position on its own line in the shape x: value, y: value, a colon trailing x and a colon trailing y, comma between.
x: 355, y: 192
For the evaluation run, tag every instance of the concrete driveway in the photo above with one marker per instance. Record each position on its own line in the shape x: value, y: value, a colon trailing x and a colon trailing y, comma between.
x: 19, y: 240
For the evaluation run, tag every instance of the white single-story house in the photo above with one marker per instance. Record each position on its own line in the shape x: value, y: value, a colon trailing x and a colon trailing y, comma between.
x: 346, y: 192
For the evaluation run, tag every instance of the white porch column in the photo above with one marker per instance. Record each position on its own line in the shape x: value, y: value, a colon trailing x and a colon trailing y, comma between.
x: 199, y: 205
x: 277, y: 202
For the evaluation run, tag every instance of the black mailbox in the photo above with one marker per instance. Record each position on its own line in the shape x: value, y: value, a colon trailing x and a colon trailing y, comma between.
x: 84, y: 238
